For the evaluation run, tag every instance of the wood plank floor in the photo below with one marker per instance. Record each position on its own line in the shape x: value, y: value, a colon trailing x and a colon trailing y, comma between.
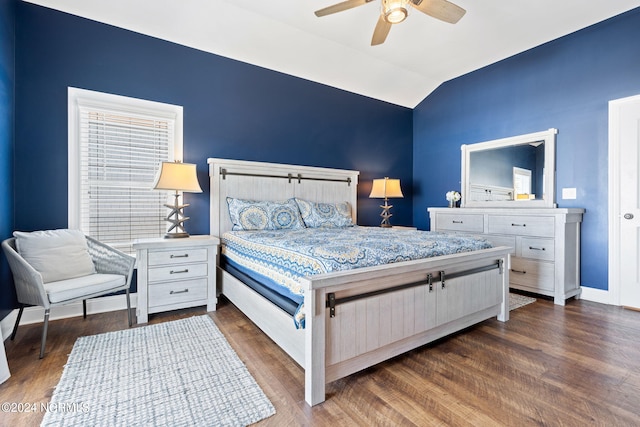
x: 577, y: 365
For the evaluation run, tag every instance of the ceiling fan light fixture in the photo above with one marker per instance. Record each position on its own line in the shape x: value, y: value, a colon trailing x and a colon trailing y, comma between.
x: 395, y: 11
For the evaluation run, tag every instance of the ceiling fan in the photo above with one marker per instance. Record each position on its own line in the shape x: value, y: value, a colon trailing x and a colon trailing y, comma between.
x: 395, y: 11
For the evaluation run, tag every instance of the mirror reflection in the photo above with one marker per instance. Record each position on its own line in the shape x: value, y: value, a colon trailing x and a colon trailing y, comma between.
x: 507, y: 173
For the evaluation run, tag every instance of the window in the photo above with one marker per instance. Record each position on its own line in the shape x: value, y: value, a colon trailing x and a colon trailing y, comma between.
x: 116, y: 145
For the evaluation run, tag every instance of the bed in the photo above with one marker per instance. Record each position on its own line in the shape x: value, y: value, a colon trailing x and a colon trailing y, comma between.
x: 359, y: 317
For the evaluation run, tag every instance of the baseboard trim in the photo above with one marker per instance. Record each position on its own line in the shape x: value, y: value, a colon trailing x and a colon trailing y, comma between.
x: 36, y: 314
x: 596, y: 295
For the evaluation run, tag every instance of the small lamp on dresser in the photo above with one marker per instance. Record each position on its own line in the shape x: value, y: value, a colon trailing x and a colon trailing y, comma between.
x: 386, y: 188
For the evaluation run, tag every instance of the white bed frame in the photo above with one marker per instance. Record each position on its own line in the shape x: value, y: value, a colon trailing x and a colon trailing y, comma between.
x: 380, y: 311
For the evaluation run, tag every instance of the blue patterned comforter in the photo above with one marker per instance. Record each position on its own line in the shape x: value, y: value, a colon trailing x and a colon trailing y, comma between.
x: 284, y: 256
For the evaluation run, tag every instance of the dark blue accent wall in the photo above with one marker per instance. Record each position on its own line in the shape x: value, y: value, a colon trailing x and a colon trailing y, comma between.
x: 7, y: 78
x: 564, y: 84
x: 231, y: 110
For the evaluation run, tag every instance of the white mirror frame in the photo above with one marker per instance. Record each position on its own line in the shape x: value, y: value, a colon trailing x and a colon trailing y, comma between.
x: 549, y: 198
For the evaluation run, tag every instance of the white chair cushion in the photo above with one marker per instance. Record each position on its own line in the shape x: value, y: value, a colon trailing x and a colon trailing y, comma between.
x: 56, y: 254
x: 70, y: 289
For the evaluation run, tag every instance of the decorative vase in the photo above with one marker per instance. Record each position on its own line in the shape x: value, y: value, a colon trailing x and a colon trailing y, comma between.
x: 452, y: 204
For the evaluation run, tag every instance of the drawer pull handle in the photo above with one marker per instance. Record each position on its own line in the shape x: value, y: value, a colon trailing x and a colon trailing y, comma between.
x: 518, y: 225
x: 186, y: 270
x: 536, y: 249
x: 519, y: 271
x: 457, y: 222
x: 184, y: 291
x: 180, y: 256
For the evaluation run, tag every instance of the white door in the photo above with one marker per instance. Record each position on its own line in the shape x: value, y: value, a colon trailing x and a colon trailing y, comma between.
x: 624, y: 237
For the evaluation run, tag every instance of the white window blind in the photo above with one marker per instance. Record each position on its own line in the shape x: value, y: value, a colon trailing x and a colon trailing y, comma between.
x: 119, y: 151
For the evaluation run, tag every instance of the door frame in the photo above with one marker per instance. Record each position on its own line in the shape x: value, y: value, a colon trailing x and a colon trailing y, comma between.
x: 615, y: 107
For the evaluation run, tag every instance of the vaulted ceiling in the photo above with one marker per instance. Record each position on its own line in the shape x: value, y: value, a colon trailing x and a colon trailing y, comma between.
x: 285, y: 35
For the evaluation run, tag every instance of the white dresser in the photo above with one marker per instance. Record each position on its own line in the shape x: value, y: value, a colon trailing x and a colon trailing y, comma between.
x: 546, y: 243
x: 175, y: 273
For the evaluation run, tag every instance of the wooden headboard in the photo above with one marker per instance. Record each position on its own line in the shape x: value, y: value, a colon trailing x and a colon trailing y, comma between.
x: 275, y: 182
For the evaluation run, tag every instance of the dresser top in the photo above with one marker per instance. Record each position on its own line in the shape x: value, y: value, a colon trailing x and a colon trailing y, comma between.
x: 511, y: 211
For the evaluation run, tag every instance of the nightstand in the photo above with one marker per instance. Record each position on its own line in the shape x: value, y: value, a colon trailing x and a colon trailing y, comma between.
x: 175, y: 273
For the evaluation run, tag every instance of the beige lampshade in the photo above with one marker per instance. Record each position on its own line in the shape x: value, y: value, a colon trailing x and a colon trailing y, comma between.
x: 177, y: 176
x: 385, y: 188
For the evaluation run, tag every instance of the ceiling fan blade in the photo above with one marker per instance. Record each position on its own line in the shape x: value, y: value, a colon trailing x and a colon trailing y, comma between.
x: 440, y: 9
x: 381, y: 31
x: 339, y: 7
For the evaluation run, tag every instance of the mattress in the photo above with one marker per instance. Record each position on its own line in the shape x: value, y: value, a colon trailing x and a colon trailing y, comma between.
x: 279, y: 258
x: 269, y: 290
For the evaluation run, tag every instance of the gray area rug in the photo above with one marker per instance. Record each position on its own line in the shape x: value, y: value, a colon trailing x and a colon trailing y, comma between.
x: 179, y: 373
x: 517, y: 301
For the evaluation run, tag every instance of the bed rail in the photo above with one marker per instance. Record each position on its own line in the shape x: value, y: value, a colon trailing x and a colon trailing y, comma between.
x: 441, y: 277
x: 298, y: 177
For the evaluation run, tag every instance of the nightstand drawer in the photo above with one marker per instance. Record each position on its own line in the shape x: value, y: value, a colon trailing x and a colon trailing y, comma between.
x: 522, y: 225
x: 177, y: 256
x: 172, y: 293
x: 460, y: 222
x: 177, y: 272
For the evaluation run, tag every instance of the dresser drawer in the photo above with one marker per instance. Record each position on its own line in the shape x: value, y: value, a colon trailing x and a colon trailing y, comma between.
x: 534, y: 275
x: 460, y: 222
x: 502, y: 241
x: 177, y: 293
x: 177, y: 272
x: 535, y: 248
x: 522, y: 225
x: 177, y: 256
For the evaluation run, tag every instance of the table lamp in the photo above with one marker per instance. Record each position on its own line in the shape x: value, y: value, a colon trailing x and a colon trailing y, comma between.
x: 177, y: 176
x: 385, y: 188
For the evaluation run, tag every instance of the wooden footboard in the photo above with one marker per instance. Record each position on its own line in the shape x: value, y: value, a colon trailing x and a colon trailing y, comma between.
x: 391, y: 309
x: 379, y: 312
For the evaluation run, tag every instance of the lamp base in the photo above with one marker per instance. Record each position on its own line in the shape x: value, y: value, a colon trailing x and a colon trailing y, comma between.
x: 176, y: 218
x: 176, y: 235
x: 386, y: 214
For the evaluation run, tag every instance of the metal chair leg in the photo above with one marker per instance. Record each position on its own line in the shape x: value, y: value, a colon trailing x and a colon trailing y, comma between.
x: 45, y: 326
x: 15, y: 327
x: 129, y: 308
x: 84, y: 308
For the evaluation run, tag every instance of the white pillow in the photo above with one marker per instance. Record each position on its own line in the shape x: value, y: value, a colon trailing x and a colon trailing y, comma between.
x: 56, y: 254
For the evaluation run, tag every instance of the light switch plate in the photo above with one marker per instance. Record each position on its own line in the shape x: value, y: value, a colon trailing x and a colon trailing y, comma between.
x: 569, y: 193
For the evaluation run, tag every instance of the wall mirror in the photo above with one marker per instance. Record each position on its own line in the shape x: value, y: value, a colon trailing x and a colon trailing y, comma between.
x: 515, y: 172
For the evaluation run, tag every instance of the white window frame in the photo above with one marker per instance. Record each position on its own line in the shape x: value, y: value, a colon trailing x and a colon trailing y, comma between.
x: 81, y: 98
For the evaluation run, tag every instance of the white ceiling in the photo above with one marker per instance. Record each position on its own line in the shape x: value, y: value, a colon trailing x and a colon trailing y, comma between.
x: 286, y: 36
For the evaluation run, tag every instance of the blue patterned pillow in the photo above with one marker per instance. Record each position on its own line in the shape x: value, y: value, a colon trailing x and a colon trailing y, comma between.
x: 264, y: 215
x: 329, y: 215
